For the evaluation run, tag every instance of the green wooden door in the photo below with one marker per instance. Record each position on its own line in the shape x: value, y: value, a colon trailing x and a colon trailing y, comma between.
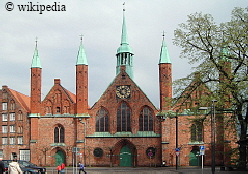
x: 193, y: 159
x: 125, y: 157
x: 59, y: 158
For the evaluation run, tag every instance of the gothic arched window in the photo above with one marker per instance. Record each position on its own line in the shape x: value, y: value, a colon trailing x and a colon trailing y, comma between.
x: 59, y: 134
x: 123, y: 118
x: 12, y: 105
x: 196, y: 132
x: 20, y: 115
x: 102, y: 120
x: 146, y: 119
x: 66, y: 107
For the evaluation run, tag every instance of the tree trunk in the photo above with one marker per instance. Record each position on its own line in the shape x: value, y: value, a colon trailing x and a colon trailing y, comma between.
x: 242, y: 142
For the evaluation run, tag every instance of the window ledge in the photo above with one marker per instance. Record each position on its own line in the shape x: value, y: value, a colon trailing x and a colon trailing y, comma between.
x: 58, y: 144
x: 195, y: 142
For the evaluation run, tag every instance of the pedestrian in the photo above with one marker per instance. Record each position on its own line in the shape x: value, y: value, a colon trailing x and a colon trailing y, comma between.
x: 14, y: 167
x: 1, y: 166
x: 81, y: 168
x: 62, y: 168
x: 59, y: 169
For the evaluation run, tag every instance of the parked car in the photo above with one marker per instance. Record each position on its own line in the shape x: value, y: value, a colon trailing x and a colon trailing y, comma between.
x: 5, y: 167
x: 27, y: 167
x: 28, y: 164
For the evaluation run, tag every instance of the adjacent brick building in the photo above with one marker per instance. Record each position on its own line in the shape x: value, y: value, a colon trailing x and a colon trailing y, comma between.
x: 123, y: 128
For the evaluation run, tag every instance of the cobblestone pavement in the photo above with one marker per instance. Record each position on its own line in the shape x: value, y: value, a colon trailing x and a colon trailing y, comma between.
x: 145, y: 170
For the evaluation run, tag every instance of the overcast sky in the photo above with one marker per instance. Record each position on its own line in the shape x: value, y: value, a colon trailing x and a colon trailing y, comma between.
x: 100, y: 22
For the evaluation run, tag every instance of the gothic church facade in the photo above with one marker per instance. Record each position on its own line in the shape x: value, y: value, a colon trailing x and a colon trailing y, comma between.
x: 122, y: 128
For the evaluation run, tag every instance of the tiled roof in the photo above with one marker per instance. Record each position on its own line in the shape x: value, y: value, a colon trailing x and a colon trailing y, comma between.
x: 22, y: 99
x: 71, y: 95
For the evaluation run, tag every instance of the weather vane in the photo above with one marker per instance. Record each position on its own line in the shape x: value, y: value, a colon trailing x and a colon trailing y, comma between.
x: 81, y: 37
x: 163, y: 34
x: 124, y: 6
x: 36, y: 40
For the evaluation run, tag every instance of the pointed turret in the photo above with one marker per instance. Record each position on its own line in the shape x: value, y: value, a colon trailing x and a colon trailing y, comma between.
x: 81, y: 58
x: 81, y: 81
x: 124, y: 52
x: 164, y: 54
x: 165, y: 77
x: 36, y: 59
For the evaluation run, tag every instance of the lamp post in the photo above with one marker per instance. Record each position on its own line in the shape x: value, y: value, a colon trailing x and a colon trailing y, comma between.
x: 176, y: 138
x: 213, y: 135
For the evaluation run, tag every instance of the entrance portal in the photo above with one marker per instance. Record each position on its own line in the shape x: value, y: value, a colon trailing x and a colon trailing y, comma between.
x: 193, y: 158
x: 59, y: 157
x: 125, y: 157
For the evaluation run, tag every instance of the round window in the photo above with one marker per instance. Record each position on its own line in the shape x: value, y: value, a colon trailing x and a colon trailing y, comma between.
x: 98, y: 152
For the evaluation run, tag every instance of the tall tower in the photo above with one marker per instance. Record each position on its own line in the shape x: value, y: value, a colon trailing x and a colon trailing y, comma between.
x: 124, y: 52
x: 35, y: 94
x: 81, y: 81
x: 165, y: 77
x: 224, y: 100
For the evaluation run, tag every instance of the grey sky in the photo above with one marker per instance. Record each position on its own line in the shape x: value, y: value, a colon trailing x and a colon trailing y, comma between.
x: 100, y: 22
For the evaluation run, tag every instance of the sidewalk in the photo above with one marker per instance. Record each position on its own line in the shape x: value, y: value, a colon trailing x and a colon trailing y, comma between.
x: 144, y: 170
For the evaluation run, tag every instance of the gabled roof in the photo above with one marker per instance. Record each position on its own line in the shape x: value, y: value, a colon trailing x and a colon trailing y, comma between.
x: 190, y: 91
x: 70, y: 95
x: 131, y: 83
x: 22, y: 99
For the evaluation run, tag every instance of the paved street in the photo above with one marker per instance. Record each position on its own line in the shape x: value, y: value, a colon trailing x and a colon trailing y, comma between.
x: 146, y: 170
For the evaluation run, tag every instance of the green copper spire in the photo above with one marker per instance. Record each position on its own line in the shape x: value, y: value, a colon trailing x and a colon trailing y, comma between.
x: 224, y: 54
x: 81, y: 58
x: 164, y: 54
x: 124, y: 52
x: 36, y: 59
x: 124, y: 39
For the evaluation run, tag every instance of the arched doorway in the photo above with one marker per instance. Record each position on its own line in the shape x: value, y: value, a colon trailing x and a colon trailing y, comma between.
x: 59, y: 157
x: 193, y: 158
x: 126, y: 157
x: 124, y: 154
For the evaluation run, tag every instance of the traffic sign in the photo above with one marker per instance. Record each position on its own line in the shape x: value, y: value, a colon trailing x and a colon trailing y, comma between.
x: 202, y: 150
x: 177, y: 149
x: 177, y: 153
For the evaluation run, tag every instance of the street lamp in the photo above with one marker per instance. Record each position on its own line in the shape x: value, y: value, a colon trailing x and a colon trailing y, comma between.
x: 213, y: 135
x: 176, y: 138
x: 212, y: 132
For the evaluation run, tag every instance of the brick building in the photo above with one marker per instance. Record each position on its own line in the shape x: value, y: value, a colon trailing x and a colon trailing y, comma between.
x: 123, y: 128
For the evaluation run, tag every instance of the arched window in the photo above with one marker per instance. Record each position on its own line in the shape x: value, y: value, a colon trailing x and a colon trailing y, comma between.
x: 59, y: 134
x: 48, y: 107
x: 66, y: 107
x: 196, y: 132
x: 146, y: 119
x: 12, y: 105
x: 58, y: 109
x: 5, y: 94
x: 102, y: 121
x: 20, y: 115
x: 123, y: 118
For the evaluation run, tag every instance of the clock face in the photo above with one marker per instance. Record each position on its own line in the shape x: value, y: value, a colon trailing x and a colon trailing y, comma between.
x: 123, y: 91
